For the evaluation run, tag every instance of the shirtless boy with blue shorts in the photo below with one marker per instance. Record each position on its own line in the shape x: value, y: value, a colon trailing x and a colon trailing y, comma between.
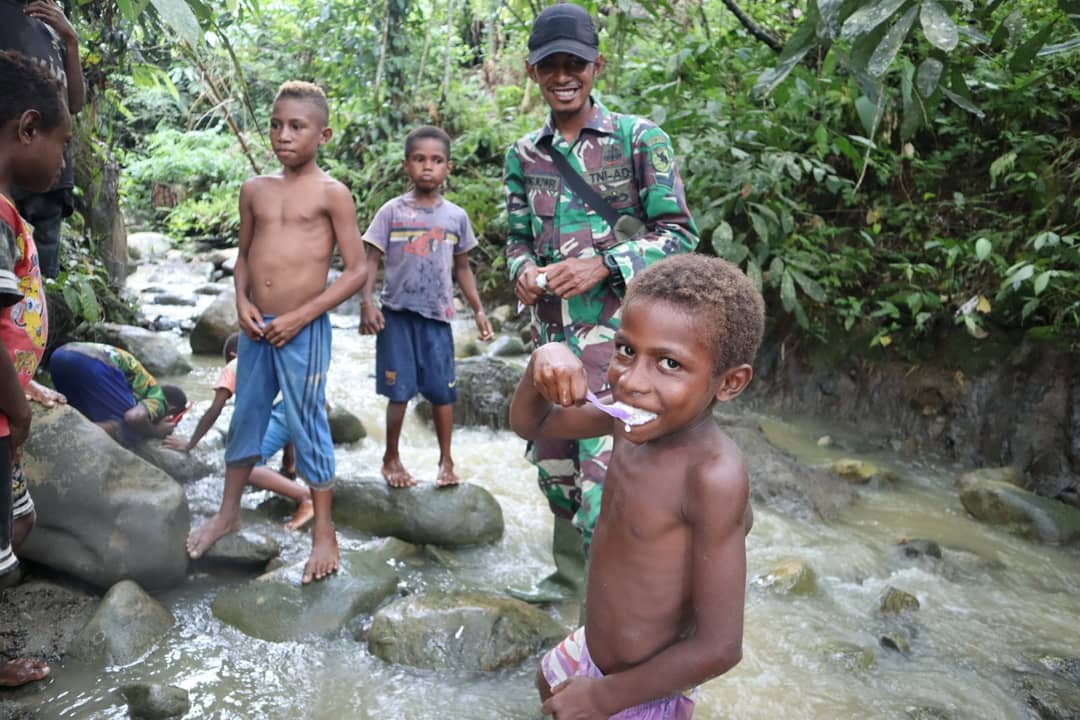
x: 289, y: 225
x: 667, y: 572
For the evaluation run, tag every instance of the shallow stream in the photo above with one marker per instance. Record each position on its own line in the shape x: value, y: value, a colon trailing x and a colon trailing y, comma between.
x: 992, y: 604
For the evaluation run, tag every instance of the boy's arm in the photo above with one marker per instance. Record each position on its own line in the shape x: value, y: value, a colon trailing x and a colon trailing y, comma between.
x: 13, y: 401
x: 51, y: 14
x: 138, y: 419
x: 371, y: 317
x: 463, y: 274
x: 176, y: 442
x: 343, y: 220
x: 715, y: 505
x: 249, y: 316
x: 555, y: 375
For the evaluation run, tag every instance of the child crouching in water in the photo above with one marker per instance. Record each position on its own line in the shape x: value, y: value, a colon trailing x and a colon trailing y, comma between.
x: 667, y: 572
x: 290, y: 223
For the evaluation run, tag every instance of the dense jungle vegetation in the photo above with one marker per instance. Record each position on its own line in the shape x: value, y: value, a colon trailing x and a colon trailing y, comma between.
x: 893, y: 169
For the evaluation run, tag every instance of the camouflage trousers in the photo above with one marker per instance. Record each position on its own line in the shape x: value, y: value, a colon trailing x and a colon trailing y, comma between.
x: 571, y: 472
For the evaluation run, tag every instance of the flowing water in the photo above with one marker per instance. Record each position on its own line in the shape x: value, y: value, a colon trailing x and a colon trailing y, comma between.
x: 987, y: 608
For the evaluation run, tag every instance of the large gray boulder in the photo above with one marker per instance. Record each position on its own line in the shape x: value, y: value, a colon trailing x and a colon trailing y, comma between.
x: 461, y: 631
x: 1032, y: 516
x: 142, y: 246
x: 278, y: 608
x: 126, y: 624
x: 344, y: 426
x: 156, y: 351
x: 465, y: 514
x: 485, y: 386
x: 181, y: 467
x: 41, y: 618
x: 215, y: 325
x: 103, y: 514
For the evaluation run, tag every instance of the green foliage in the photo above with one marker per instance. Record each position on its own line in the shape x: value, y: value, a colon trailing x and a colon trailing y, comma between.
x: 201, y: 169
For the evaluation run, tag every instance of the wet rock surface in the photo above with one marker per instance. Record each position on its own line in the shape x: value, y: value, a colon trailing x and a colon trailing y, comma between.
x: 461, y: 631
x: 465, y: 514
x: 126, y: 624
x: 104, y: 520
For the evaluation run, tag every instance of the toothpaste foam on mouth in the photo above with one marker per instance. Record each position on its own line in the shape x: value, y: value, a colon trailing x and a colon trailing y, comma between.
x: 632, y: 415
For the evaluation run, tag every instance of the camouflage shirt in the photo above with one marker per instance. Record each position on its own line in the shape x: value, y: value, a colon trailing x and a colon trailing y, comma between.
x: 630, y: 161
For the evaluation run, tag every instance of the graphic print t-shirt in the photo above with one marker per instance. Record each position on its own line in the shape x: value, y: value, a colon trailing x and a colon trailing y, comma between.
x: 24, y: 324
x: 419, y: 245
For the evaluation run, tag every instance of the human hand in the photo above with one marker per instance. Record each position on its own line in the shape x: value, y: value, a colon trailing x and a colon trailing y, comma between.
x: 574, y: 276
x: 484, y: 325
x: 52, y: 15
x: 46, y: 396
x: 371, y: 319
x: 558, y: 375
x: 575, y: 700
x: 250, y: 319
x: 526, y: 288
x: 176, y: 442
x: 283, y: 328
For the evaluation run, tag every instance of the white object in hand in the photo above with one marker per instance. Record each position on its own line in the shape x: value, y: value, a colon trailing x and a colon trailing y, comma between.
x: 541, y: 281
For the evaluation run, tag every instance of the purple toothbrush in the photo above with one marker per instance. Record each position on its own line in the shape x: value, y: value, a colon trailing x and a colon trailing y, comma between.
x: 621, y: 411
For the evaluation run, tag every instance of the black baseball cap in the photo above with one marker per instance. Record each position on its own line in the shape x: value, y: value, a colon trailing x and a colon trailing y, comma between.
x: 563, y: 28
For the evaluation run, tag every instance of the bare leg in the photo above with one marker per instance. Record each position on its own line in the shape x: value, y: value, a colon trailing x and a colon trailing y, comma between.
x: 542, y: 685
x: 227, y: 518
x: 392, y: 470
x: 264, y: 478
x: 20, y: 529
x: 443, y: 416
x: 324, y: 547
x: 20, y: 671
x: 288, y: 461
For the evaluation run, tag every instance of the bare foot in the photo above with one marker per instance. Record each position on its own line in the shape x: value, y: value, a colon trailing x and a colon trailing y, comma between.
x: 203, y: 537
x: 304, y: 512
x: 324, y: 554
x: 396, y: 475
x: 446, y: 476
x: 20, y: 671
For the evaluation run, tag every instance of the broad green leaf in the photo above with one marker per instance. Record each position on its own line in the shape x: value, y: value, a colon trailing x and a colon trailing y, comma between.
x: 125, y: 9
x: 1066, y: 46
x: 828, y: 15
x: 802, y: 40
x: 890, y: 44
x: 1021, y: 59
x: 983, y: 247
x: 787, y: 292
x: 867, y: 18
x: 753, y: 271
x: 938, y: 27
x: 1042, y: 281
x: 760, y: 225
x: 177, y: 14
x: 1014, y: 279
x: 1029, y: 307
x: 813, y: 290
x: 962, y: 102
x: 722, y: 237
x: 867, y: 112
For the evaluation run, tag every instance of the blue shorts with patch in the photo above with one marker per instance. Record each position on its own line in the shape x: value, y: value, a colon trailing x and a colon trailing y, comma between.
x: 298, y: 370
x: 414, y: 354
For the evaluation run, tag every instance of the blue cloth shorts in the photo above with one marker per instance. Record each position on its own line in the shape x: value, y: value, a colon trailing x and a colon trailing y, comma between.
x: 414, y: 354
x: 277, y: 432
x: 298, y: 370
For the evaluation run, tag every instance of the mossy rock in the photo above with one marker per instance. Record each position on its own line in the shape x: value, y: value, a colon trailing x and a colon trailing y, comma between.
x: 897, y: 602
x: 789, y: 577
x: 1021, y: 512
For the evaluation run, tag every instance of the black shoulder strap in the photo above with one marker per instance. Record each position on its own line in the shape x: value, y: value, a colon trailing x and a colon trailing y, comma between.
x: 577, y: 183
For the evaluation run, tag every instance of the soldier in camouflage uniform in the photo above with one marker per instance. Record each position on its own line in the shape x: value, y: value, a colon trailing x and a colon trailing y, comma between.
x: 584, y: 262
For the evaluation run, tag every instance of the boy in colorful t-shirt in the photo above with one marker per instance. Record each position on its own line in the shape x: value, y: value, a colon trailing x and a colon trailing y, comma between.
x: 425, y: 240
x: 34, y: 125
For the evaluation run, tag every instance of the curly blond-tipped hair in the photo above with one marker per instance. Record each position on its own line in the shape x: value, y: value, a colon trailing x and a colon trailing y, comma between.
x: 307, y: 92
x: 729, y: 310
